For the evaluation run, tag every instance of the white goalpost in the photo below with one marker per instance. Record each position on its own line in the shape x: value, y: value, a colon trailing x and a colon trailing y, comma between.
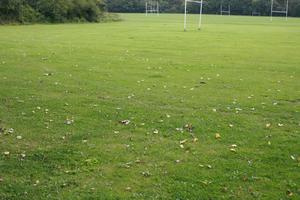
x: 285, y: 11
x: 185, y: 12
x: 152, y: 7
x: 222, y: 11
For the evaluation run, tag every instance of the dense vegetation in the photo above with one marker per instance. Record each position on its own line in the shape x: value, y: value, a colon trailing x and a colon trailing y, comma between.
x: 53, y: 11
x: 24, y: 11
x: 238, y: 7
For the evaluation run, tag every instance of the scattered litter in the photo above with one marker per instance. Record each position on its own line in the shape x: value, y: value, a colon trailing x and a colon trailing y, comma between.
x: 19, y: 137
x: 217, y: 136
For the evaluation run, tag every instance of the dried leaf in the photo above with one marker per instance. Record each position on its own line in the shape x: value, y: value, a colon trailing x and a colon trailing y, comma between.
x: 125, y: 122
x: 183, y: 141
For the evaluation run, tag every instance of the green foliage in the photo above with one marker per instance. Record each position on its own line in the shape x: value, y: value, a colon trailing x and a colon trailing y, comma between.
x: 23, y: 11
x: 238, y: 7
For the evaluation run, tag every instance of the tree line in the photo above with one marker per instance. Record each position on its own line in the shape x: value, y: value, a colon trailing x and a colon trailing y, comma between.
x: 52, y: 11
x: 56, y: 11
x: 238, y: 7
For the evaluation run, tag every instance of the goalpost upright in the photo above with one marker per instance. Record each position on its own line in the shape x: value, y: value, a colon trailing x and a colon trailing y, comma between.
x: 185, y: 12
x: 151, y: 7
x: 225, y: 11
x: 286, y: 11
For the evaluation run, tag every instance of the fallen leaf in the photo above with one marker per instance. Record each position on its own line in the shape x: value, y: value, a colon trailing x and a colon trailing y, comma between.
x: 293, y: 158
x: 146, y: 174
x: 289, y: 193
x: 189, y: 127
x: 125, y: 122
x: 217, y: 136
x: 183, y: 141
x: 11, y: 131
x: 233, y: 150
x: 69, y: 121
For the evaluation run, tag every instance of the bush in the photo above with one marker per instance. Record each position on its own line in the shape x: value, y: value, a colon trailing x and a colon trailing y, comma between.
x: 53, y: 11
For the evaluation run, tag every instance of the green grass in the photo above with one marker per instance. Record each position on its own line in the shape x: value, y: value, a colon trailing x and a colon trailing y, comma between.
x: 147, y: 70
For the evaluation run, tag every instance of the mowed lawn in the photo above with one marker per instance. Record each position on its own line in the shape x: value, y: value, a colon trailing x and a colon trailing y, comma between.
x: 211, y: 114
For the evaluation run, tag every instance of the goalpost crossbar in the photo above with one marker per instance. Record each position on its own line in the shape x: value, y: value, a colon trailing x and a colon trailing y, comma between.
x: 152, y: 7
x: 185, y: 12
x: 286, y: 11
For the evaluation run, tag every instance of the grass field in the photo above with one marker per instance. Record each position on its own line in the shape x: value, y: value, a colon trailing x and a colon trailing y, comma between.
x: 214, y: 114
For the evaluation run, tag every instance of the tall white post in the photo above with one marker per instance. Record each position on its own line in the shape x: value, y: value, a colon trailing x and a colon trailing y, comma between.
x: 200, y: 18
x: 221, y: 8
x: 271, y: 10
x: 287, y: 9
x: 185, y: 2
x: 146, y: 8
x: 229, y: 10
x: 157, y: 7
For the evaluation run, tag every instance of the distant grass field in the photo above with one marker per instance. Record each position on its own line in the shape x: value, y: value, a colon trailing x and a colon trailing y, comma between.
x: 214, y: 114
